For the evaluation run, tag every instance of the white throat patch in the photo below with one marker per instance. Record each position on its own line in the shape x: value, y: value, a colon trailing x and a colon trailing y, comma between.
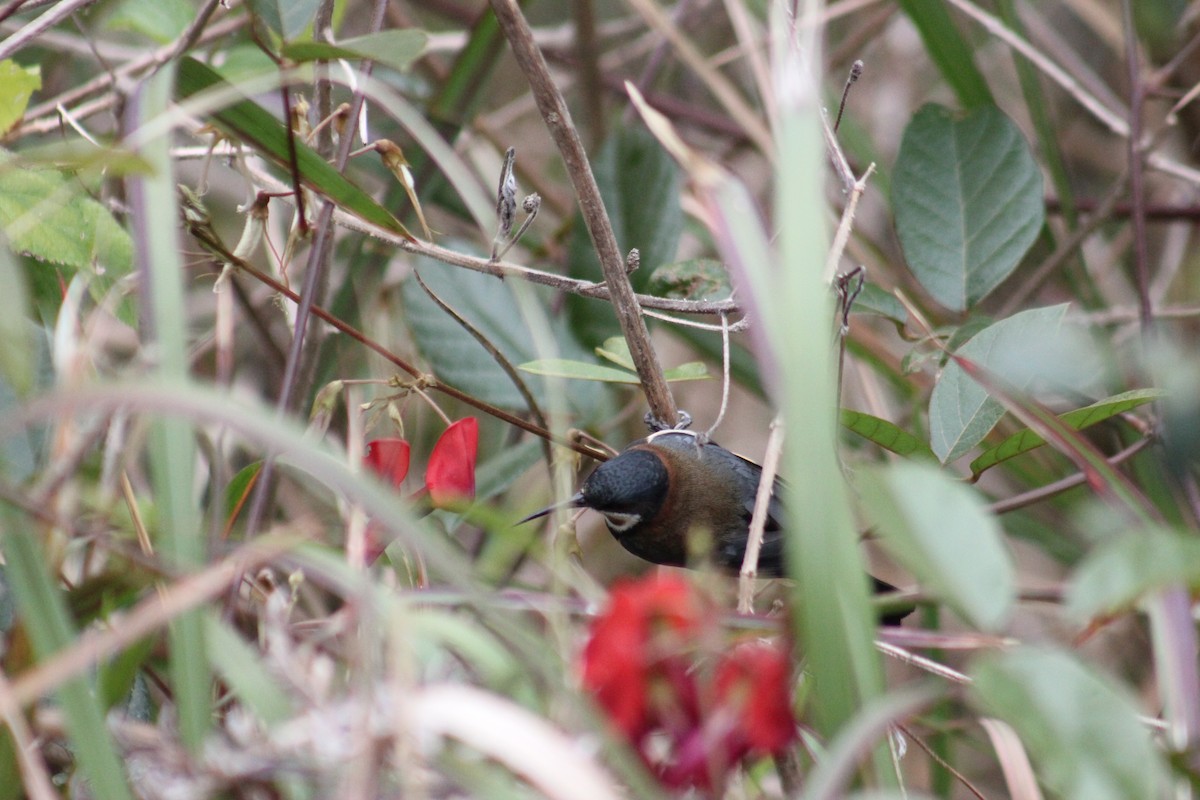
x: 619, y: 522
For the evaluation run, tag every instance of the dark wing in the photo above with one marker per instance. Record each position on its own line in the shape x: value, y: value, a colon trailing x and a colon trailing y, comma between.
x: 748, y: 474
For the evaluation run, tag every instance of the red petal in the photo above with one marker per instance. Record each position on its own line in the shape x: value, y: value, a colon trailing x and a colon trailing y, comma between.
x: 388, y: 458
x: 634, y: 661
x: 754, y: 681
x: 450, y: 476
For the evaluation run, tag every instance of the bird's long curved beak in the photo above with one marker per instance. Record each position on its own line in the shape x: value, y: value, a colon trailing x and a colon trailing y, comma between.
x: 574, y: 501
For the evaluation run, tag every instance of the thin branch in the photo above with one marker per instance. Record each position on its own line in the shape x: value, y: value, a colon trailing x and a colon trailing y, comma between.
x: 758, y: 519
x: 558, y: 120
x: 534, y: 409
x: 210, y: 240
x: 46, y: 21
x: 1136, y: 167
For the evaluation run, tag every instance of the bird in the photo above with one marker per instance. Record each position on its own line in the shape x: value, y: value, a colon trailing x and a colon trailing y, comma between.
x: 659, y: 490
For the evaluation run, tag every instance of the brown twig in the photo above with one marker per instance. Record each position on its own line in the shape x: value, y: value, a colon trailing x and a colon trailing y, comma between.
x: 301, y: 360
x: 209, y: 239
x: 1136, y: 167
x: 558, y: 120
x: 534, y: 409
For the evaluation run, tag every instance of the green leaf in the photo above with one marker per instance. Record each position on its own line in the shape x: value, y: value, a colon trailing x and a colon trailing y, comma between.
x: 115, y: 677
x: 876, y: 300
x: 886, y: 434
x: 616, y: 350
x: 578, y: 370
x: 694, y: 279
x: 241, y: 667
x: 238, y: 490
x: 1030, y: 350
x: 587, y: 371
x: 50, y: 629
x: 1025, y: 440
x: 967, y: 196
x: 396, y: 49
x: 950, y: 51
x: 46, y: 215
x: 286, y: 18
x: 16, y: 328
x: 1080, y: 729
x: 940, y: 530
x: 1120, y: 571
x: 253, y: 125
x: 17, y: 85
x: 160, y: 20
x: 490, y: 305
x: 640, y: 185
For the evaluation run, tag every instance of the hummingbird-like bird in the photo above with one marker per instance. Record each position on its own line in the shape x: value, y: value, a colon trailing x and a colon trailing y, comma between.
x: 660, y: 489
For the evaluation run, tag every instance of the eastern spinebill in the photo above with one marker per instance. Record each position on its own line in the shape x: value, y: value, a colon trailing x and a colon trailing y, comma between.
x: 659, y: 490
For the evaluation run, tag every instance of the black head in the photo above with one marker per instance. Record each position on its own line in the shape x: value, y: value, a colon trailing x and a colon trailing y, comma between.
x: 628, y: 489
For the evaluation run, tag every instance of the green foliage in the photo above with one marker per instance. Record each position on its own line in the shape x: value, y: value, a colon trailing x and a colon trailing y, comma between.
x: 253, y: 125
x: 942, y: 531
x: 457, y: 358
x: 1127, y: 568
x: 640, y: 186
x: 44, y: 214
x: 1081, y: 731
x: 1025, y: 440
x: 396, y: 49
x: 17, y: 85
x: 967, y: 196
x: 1034, y: 349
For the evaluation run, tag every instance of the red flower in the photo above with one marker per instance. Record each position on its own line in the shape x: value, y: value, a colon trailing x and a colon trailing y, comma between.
x: 754, y: 681
x: 388, y: 458
x: 634, y: 660
x: 450, y: 475
x: 641, y: 664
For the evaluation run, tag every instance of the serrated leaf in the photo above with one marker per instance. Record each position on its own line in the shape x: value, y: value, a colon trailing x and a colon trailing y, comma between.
x: 1119, y: 572
x: 1025, y: 440
x: 47, y: 216
x: 1081, y: 730
x: 396, y: 49
x: 967, y: 197
x: 1028, y: 350
x: 488, y: 303
x: 253, y: 125
x: 941, y: 531
x: 286, y: 18
x: 639, y: 182
x: 17, y: 85
x: 886, y: 434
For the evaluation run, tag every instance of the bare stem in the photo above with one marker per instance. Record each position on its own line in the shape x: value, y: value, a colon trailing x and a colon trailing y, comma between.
x: 558, y: 120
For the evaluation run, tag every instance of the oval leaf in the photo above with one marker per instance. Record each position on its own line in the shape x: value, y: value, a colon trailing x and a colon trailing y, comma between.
x: 396, y: 49
x: 1032, y: 347
x: 941, y: 531
x: 887, y: 435
x: 1025, y: 440
x: 578, y: 370
x: 967, y: 195
x: 17, y: 85
x: 1081, y: 731
x: 1120, y: 571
